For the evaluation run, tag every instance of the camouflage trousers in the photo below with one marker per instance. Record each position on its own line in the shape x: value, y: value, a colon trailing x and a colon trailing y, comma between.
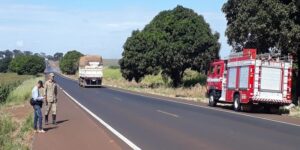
x: 51, y: 107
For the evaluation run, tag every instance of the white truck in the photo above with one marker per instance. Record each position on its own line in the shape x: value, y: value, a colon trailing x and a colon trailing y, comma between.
x: 90, y: 71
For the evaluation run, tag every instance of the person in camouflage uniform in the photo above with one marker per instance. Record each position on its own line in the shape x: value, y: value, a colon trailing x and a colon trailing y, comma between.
x: 51, y: 98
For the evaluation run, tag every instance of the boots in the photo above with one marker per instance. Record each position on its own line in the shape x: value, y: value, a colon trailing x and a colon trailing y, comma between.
x: 46, y: 119
x: 54, y: 119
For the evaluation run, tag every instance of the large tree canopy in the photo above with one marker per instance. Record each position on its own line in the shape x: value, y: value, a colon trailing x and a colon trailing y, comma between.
x: 263, y: 24
x: 268, y: 25
x: 172, y: 42
x: 69, y: 63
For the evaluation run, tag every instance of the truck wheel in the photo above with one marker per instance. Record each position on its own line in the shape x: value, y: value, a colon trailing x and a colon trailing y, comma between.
x: 212, y: 101
x: 237, y: 103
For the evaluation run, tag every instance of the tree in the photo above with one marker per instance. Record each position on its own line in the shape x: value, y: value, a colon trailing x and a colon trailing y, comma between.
x: 69, y: 63
x: 17, y: 52
x: 4, y: 63
x: 268, y: 25
x: 5, y: 58
x: 27, y: 64
x: 173, y: 41
x: 27, y: 53
x: 138, y: 60
x: 58, y: 56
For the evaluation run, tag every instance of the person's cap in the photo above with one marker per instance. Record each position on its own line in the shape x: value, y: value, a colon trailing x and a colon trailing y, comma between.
x: 52, y: 74
x: 40, y: 82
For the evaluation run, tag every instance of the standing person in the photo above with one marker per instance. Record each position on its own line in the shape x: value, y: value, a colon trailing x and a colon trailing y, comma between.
x: 51, y: 98
x: 37, y: 106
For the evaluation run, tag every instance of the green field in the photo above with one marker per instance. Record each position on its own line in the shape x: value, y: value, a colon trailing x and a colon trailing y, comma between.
x: 7, y: 78
x: 111, y: 62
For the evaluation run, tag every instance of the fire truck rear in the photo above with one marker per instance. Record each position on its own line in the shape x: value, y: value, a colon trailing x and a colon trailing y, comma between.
x: 246, y: 78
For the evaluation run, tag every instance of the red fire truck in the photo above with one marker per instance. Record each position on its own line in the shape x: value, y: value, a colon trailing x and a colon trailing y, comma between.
x: 246, y: 78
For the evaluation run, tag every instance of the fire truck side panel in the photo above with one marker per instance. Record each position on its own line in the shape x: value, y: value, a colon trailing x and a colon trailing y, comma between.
x: 240, y: 82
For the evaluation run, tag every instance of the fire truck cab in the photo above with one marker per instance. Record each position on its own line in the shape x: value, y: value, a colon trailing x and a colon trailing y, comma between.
x: 246, y: 78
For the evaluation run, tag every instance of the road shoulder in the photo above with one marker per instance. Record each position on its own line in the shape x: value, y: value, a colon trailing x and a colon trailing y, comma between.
x: 75, y: 130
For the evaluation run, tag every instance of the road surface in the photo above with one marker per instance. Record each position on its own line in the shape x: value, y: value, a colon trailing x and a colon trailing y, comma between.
x: 152, y: 123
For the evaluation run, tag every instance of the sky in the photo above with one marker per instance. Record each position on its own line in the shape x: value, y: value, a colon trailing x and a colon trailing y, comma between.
x: 91, y: 26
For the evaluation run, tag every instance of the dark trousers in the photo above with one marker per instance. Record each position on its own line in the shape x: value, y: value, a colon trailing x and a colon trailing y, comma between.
x: 38, y: 117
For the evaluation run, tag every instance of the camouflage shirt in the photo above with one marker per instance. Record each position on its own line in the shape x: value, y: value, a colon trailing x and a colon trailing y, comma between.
x: 51, y: 91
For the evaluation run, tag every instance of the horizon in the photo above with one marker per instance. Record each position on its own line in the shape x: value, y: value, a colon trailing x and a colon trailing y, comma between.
x: 91, y: 27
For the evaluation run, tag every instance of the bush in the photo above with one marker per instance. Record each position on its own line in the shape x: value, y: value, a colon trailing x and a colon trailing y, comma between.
x: 69, y: 63
x: 4, y: 63
x: 6, y: 89
x: 27, y: 64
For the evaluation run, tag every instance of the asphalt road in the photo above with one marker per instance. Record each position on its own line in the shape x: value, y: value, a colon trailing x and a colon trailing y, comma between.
x: 152, y: 123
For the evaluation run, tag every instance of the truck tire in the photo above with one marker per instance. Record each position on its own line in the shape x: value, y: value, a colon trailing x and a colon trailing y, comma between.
x: 236, y: 102
x: 212, y: 100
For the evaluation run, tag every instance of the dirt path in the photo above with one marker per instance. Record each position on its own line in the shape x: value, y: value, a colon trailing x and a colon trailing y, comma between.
x: 75, y: 131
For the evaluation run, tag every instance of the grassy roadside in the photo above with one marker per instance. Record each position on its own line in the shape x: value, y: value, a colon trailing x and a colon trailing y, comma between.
x: 8, y: 82
x: 193, y: 84
x: 16, y: 117
x: 295, y: 112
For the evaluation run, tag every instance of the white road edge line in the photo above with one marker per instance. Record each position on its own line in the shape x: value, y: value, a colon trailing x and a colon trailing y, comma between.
x: 167, y: 113
x: 232, y: 112
x: 117, y: 98
x: 111, y: 129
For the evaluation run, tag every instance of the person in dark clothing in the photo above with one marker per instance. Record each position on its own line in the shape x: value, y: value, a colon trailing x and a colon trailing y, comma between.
x: 37, y: 106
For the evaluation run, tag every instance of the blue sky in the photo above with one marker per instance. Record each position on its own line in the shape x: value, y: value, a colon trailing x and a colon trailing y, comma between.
x: 90, y: 26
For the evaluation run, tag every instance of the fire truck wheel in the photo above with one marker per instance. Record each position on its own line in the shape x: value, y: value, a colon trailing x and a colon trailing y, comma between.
x: 237, y: 103
x: 212, y: 101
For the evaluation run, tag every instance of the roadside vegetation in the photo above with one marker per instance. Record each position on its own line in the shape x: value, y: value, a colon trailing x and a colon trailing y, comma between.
x: 69, y: 62
x: 8, y: 82
x: 15, y: 112
x: 193, y: 87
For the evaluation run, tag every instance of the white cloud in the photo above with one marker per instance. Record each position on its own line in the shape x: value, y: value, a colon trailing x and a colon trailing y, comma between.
x: 20, y: 43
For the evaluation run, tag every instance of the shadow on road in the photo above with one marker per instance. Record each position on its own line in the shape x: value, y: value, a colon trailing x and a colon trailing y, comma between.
x: 255, y: 110
x: 50, y: 128
x: 61, y: 121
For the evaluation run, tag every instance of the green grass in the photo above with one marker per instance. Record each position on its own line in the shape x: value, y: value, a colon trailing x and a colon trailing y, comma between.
x: 7, y: 78
x: 8, y: 82
x: 111, y: 73
x: 7, y: 128
x: 191, y: 78
x: 22, y: 92
x: 11, y: 137
x: 192, y: 88
x: 27, y: 126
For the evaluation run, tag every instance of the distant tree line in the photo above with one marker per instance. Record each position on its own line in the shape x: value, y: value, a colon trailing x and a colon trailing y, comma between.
x: 25, y: 62
x: 175, y: 40
x: 22, y: 62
